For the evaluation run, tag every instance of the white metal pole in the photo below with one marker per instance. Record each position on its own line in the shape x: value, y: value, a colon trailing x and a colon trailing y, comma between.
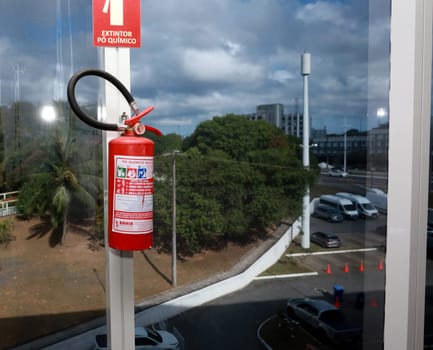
x: 174, y: 253
x: 305, y: 71
x: 120, y: 264
x: 345, y: 145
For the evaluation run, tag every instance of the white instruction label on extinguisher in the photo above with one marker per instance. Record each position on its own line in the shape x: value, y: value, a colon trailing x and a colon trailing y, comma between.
x: 133, y: 195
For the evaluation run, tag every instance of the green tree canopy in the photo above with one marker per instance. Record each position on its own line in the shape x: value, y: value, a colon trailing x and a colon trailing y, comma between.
x: 64, y: 183
x: 234, y: 177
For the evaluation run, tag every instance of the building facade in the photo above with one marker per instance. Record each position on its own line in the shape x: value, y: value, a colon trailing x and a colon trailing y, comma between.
x: 353, y: 143
x: 291, y: 123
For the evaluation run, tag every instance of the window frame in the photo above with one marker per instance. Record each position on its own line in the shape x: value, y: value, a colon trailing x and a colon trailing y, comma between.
x: 409, y: 110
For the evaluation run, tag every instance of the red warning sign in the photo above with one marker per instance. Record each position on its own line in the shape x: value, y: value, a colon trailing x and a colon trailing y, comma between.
x: 116, y: 23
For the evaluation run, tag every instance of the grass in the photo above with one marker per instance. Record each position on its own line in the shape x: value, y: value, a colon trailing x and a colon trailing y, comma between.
x: 295, y: 247
x: 286, y: 266
x: 317, y: 190
x: 289, y: 265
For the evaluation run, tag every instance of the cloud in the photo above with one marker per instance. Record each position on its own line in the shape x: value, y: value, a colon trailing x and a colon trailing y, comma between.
x: 322, y: 11
x: 4, y: 45
x: 232, y: 47
x: 218, y: 66
x: 281, y: 76
x: 204, y: 58
x: 175, y: 122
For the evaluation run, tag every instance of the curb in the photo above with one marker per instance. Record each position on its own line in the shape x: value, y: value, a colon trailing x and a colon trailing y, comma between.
x: 267, y: 347
x: 333, y: 252
x: 287, y: 276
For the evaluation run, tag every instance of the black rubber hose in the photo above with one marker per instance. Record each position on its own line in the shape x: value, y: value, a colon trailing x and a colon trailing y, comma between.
x: 76, y: 108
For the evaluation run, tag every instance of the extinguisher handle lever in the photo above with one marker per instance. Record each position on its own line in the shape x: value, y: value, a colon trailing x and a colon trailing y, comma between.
x: 112, y: 79
x: 136, y: 119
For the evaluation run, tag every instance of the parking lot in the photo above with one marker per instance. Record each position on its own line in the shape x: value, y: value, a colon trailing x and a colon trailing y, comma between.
x: 364, y: 239
x: 212, y: 325
x: 358, y: 266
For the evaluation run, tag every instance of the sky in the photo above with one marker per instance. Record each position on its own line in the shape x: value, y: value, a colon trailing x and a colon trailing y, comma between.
x: 200, y: 59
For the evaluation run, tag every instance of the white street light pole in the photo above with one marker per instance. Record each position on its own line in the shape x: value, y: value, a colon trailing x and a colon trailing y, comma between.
x: 345, y: 145
x: 173, y: 243
x: 306, y: 71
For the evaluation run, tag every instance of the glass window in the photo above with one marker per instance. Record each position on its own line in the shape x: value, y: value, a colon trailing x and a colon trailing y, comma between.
x: 428, y: 324
x: 238, y: 183
x: 52, y: 266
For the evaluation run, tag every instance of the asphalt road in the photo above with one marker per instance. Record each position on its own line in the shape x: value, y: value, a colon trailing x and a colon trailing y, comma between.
x: 348, y: 183
x: 231, y: 322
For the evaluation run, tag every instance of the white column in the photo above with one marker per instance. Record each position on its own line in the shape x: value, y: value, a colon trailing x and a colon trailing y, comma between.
x: 305, y: 71
x: 409, y: 115
x: 345, y: 146
x: 119, y: 264
x: 173, y: 238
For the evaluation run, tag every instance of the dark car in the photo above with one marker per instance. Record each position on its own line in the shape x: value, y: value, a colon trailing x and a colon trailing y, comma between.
x: 325, y: 319
x: 328, y: 213
x: 326, y: 240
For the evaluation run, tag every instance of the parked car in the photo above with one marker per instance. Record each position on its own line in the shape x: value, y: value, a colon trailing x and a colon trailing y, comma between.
x: 328, y: 213
x: 337, y: 173
x: 145, y: 338
x: 325, y: 319
x: 325, y: 240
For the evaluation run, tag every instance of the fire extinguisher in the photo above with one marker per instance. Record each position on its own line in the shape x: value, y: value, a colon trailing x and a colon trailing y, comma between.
x: 130, y: 170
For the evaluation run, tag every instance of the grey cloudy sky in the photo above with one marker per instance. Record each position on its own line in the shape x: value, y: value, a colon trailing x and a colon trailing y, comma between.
x: 204, y: 58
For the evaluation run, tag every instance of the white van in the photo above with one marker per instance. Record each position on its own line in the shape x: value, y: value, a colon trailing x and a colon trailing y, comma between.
x: 378, y: 198
x: 343, y: 205
x: 363, y: 205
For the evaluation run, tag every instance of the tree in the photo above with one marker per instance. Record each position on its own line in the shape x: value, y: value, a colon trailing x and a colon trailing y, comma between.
x: 2, y: 150
x: 6, y: 235
x: 166, y: 143
x: 234, y: 177
x: 233, y: 134
x: 64, y: 177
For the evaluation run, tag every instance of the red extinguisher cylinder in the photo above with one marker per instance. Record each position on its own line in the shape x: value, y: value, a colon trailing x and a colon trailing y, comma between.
x: 130, y: 192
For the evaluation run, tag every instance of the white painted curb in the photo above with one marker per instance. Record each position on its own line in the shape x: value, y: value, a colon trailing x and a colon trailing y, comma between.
x: 287, y: 276
x: 334, y: 252
x: 199, y: 297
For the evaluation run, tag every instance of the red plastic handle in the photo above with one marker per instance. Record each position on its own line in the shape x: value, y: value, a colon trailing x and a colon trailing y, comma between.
x: 136, y: 119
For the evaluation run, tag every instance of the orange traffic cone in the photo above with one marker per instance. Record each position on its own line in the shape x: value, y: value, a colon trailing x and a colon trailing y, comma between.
x: 361, y: 266
x: 380, y: 266
x: 328, y: 269
x: 337, y: 301
x: 373, y: 302
x: 346, y: 268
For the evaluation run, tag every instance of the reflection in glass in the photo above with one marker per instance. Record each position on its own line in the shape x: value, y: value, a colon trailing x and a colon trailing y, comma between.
x: 240, y: 178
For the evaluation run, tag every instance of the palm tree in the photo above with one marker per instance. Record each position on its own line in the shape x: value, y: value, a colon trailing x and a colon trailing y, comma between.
x: 65, y: 177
